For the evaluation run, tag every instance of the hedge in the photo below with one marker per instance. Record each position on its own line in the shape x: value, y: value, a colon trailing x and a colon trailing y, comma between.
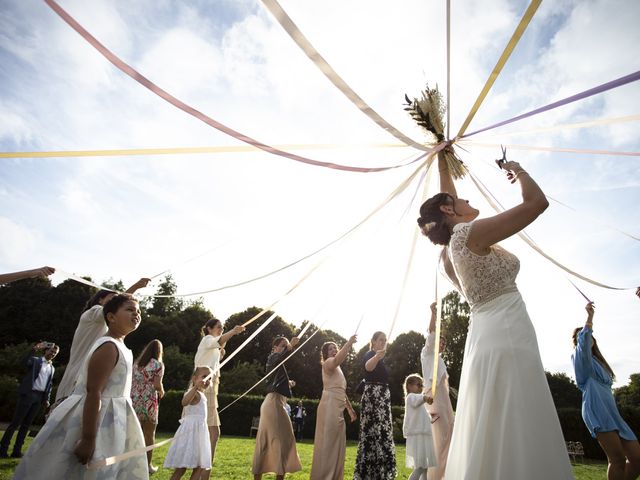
x: 236, y: 420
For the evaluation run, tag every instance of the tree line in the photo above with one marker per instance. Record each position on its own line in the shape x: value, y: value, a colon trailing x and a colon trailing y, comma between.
x: 32, y: 310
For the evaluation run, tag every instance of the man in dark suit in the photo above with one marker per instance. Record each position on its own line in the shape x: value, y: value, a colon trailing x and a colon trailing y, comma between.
x: 34, y: 391
x: 298, y: 414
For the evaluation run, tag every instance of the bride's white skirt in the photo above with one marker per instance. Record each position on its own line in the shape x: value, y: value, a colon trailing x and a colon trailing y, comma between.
x: 506, y: 425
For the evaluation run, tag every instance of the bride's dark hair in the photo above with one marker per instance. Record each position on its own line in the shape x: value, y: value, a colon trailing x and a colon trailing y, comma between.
x: 432, y: 220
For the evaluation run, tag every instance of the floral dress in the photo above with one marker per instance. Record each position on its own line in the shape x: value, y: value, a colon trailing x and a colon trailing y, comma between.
x: 143, y: 393
x: 376, y: 457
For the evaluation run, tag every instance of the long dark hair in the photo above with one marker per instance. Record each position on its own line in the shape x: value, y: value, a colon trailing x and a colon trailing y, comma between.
x: 430, y: 212
x: 95, y: 299
x: 595, y: 351
x: 153, y: 349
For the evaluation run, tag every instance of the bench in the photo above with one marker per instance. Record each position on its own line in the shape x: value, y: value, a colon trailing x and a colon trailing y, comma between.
x: 255, y: 421
x: 574, y: 449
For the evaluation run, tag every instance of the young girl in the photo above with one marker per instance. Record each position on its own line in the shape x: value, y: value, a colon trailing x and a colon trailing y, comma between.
x: 97, y: 420
x: 416, y: 428
x: 191, y: 447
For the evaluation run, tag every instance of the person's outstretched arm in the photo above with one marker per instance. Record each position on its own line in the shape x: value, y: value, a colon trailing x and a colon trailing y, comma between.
x: 489, y: 231
x: 446, y: 181
x: 36, y: 272
x: 342, y: 354
x: 143, y: 282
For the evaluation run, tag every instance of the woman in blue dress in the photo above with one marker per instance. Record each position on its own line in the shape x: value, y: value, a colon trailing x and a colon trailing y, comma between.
x: 599, y: 412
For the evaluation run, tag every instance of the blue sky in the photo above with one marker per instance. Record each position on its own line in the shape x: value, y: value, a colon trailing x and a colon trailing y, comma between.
x: 125, y: 217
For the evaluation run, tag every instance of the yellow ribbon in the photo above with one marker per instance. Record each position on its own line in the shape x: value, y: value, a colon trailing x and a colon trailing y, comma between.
x: 515, y: 38
x: 179, y: 150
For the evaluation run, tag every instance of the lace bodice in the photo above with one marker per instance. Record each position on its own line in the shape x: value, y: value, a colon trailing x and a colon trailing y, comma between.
x: 482, y: 277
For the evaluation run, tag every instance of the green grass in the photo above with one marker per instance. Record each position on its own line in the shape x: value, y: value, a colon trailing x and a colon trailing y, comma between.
x: 235, y: 454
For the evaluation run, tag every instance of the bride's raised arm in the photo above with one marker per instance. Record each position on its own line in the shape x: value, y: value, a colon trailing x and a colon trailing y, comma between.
x: 489, y: 231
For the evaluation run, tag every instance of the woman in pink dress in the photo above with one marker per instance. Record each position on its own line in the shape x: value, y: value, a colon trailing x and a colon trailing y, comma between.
x: 147, y: 390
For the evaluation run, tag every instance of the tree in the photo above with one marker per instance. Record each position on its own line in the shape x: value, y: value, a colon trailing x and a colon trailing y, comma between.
x: 564, y: 391
x: 629, y: 395
x: 260, y: 347
x: 455, y: 324
x: 163, y: 306
x: 402, y: 359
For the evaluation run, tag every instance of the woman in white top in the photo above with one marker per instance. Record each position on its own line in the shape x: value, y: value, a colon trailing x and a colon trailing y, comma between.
x: 506, y: 424
x: 210, y: 351
x: 90, y: 328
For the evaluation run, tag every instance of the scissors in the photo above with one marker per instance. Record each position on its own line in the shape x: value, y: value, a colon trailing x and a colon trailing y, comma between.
x: 501, y: 161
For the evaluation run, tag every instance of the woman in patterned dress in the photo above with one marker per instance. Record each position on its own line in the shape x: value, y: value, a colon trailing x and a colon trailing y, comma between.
x: 506, y: 424
x: 376, y: 458
x: 147, y: 390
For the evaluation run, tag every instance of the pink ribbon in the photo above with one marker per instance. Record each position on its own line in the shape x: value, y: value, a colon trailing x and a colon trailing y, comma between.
x: 144, y: 81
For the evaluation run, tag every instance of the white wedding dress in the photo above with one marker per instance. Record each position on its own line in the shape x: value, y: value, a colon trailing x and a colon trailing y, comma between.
x: 506, y: 425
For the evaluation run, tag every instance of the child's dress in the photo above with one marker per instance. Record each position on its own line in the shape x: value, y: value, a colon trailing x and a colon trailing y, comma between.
x: 191, y: 446
x: 51, y: 453
x: 417, y: 430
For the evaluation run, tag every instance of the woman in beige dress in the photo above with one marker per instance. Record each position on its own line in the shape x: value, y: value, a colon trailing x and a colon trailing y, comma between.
x: 329, y: 443
x: 440, y: 410
x: 275, y: 450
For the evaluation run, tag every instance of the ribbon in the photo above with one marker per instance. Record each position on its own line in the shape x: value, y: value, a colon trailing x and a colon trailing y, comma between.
x: 515, y: 38
x: 533, y: 245
x: 618, y: 82
x: 399, y: 189
x: 145, y: 82
x: 318, y: 60
x: 552, y: 149
x: 410, y: 259
x: 579, y: 291
x: 591, y: 123
x: 274, y: 368
x: 436, y: 349
x: 448, y: 66
x: 180, y: 150
x: 84, y: 281
x: 105, y: 462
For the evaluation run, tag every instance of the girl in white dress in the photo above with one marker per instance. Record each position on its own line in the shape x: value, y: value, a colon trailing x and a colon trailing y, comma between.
x: 416, y: 428
x: 506, y: 424
x: 191, y: 447
x: 97, y: 420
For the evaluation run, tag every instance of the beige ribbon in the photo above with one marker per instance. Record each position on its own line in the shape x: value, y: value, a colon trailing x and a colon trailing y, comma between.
x: 533, y: 245
x: 318, y: 60
x: 436, y: 349
x: 549, y: 149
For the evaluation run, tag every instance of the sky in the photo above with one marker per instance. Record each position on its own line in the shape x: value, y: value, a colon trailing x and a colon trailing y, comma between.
x: 221, y: 218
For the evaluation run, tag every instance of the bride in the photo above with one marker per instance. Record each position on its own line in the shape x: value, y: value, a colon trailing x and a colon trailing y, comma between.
x: 506, y: 425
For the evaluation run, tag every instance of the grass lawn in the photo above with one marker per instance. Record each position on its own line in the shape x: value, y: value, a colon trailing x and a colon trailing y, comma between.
x: 235, y: 454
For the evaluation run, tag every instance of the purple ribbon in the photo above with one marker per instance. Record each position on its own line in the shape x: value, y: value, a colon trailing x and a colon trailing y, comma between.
x: 587, y: 93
